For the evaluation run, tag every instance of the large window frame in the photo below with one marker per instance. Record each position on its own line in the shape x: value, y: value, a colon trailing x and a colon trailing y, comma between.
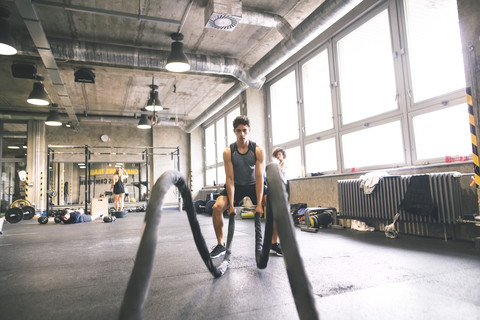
x: 404, y: 114
x: 218, y: 133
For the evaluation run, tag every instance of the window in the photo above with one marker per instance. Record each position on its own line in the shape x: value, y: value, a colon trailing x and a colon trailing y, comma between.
x: 434, y: 137
x: 393, y: 83
x: 211, y: 177
x: 217, y: 136
x: 434, y: 47
x: 230, y: 117
x: 221, y: 138
x: 373, y: 146
x: 317, y: 98
x: 320, y: 156
x: 294, y: 163
x: 210, y: 147
x: 366, y: 71
x: 284, y: 111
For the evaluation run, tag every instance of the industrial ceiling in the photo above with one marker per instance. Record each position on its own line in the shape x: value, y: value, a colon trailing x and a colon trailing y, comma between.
x: 231, y: 45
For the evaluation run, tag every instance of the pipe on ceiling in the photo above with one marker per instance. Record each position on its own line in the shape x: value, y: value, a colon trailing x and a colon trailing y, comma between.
x: 98, y: 53
x: 18, y: 115
x: 264, y: 19
x: 123, y: 120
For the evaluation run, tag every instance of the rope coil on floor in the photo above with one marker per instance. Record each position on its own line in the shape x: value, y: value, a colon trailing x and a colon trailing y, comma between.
x: 138, y: 286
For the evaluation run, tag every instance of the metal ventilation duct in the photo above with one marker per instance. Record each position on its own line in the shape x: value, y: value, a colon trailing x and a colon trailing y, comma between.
x: 223, y: 14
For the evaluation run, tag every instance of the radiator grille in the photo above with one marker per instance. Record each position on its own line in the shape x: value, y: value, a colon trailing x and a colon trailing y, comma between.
x: 383, y: 202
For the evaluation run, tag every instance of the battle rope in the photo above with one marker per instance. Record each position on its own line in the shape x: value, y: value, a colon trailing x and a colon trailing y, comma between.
x: 262, y: 252
x: 139, y: 283
x: 278, y: 203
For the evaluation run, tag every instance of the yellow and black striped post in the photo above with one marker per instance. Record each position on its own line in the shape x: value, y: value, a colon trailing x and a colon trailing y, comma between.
x: 26, y: 186
x: 191, y: 182
x: 473, y: 135
x: 41, y: 186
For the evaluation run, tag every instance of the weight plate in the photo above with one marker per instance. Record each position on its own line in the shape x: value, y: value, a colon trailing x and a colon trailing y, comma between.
x: 57, y: 219
x: 120, y: 214
x: 209, y: 207
x: 20, y: 203
x: 28, y: 212
x: 200, y: 206
x: 14, y: 215
x: 43, y: 220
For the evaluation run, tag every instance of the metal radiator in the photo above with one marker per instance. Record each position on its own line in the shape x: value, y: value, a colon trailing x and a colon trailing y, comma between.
x: 383, y: 202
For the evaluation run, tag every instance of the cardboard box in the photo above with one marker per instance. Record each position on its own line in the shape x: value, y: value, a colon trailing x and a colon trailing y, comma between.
x: 99, y: 205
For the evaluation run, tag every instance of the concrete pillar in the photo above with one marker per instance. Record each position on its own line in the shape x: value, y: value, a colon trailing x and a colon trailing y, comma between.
x: 37, y: 165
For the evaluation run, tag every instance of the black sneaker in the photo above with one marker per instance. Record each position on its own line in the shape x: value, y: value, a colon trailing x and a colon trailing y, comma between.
x: 218, y: 251
x: 276, y: 249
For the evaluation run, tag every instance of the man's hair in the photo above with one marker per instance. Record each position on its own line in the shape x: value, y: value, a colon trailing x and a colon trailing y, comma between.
x: 241, y: 120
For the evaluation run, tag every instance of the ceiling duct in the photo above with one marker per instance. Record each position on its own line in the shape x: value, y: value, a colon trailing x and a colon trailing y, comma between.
x: 223, y: 14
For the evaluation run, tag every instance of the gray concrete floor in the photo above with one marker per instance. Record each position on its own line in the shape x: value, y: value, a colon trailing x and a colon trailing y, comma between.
x: 81, y: 272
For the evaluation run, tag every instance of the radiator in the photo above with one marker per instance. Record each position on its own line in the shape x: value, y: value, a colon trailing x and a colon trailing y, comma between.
x: 383, y: 202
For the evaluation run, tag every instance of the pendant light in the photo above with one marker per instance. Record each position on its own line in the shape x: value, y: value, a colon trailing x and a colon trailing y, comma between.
x: 153, y: 102
x: 144, y: 123
x: 6, y: 42
x: 177, y: 61
x: 53, y: 118
x: 38, y: 96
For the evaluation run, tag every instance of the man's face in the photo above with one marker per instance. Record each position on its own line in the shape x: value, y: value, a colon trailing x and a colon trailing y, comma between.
x: 242, y: 131
x: 66, y: 216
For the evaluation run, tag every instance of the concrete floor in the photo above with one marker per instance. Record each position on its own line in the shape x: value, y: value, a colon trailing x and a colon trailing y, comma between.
x: 81, y: 272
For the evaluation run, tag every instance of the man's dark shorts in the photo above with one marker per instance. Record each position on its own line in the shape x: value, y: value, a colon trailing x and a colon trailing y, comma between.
x: 244, y: 191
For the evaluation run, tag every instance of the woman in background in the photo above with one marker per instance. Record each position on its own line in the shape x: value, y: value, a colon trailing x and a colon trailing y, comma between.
x: 119, y: 188
x: 280, y: 155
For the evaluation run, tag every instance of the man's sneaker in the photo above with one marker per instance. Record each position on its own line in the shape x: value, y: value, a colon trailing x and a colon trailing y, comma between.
x: 276, y: 249
x: 218, y: 251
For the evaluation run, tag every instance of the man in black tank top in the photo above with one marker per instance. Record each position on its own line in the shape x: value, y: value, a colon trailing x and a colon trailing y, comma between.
x: 244, y: 164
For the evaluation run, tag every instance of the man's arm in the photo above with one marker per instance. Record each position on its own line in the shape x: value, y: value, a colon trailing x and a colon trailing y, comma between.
x: 259, y: 171
x: 230, y: 182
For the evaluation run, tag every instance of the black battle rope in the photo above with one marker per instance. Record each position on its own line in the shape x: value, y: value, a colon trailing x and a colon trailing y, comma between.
x: 262, y: 252
x: 278, y: 202
x: 139, y: 283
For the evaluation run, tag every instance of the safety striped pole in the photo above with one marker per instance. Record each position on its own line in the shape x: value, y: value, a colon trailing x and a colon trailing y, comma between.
x: 41, y: 186
x: 191, y: 182
x: 473, y: 135
x: 26, y: 186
